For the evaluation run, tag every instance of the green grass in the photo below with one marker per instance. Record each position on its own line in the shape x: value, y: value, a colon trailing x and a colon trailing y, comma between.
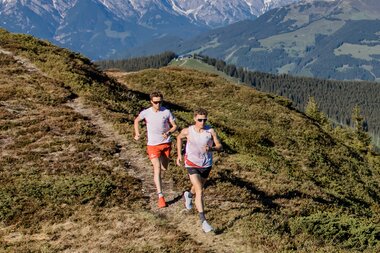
x: 362, y: 52
x: 212, y: 44
x: 296, y: 42
x: 201, y: 66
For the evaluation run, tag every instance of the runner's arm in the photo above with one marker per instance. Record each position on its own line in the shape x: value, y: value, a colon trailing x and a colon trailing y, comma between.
x: 182, y: 135
x: 137, y: 127
x: 172, y: 129
x: 218, y: 145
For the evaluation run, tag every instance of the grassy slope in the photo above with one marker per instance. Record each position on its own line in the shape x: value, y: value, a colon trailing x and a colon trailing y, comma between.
x: 282, y: 184
x: 284, y: 175
x: 62, y: 184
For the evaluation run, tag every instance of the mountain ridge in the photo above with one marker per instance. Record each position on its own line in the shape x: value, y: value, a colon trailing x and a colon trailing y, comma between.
x: 137, y: 21
x: 328, y: 40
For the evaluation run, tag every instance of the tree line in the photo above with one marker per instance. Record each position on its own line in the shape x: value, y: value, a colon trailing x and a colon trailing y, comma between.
x: 138, y: 63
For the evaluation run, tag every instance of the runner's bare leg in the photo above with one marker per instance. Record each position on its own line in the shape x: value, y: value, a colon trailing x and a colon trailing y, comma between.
x: 157, y: 173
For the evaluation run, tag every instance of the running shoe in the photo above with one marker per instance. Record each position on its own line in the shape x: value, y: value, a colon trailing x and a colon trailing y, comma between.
x: 206, y: 227
x: 188, y: 203
x: 161, y: 202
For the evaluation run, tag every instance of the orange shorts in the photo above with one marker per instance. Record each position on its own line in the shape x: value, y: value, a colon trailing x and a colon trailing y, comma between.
x: 158, y: 150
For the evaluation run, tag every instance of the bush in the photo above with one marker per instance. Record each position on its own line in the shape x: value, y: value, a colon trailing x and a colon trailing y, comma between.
x: 349, y: 231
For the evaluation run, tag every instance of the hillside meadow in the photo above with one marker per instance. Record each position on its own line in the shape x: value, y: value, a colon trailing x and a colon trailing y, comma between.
x: 296, y: 171
x: 284, y: 183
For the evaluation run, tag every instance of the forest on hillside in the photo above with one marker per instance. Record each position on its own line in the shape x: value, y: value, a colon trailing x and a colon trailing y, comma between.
x: 335, y: 98
x: 139, y: 63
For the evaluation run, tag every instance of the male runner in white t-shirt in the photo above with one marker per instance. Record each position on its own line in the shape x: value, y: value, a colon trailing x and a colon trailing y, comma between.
x: 160, y: 125
x: 201, y: 140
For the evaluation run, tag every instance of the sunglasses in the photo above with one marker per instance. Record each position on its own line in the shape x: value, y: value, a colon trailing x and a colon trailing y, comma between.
x: 157, y: 102
x: 201, y: 120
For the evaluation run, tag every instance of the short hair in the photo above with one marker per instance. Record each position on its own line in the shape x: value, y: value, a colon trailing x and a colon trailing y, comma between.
x: 200, y: 111
x: 155, y: 94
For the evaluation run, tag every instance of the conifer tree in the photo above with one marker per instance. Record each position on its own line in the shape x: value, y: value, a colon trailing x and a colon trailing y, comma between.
x: 313, y: 112
x: 362, y: 140
x: 311, y: 109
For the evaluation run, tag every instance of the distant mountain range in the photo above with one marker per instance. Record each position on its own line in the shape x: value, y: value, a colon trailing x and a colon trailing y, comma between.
x: 331, y: 39
x: 105, y: 28
x: 324, y: 39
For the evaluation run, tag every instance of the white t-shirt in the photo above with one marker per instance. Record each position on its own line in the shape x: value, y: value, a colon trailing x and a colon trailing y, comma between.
x: 196, y: 154
x: 157, y: 123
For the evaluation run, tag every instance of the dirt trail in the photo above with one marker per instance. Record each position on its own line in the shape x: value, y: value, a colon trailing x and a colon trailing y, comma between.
x: 128, y: 154
x: 23, y: 61
x: 177, y: 216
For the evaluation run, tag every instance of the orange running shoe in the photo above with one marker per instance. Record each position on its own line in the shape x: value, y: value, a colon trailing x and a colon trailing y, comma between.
x: 161, y: 202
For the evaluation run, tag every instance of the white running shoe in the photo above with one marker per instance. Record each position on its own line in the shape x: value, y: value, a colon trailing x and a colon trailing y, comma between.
x: 206, y: 227
x: 188, y: 203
